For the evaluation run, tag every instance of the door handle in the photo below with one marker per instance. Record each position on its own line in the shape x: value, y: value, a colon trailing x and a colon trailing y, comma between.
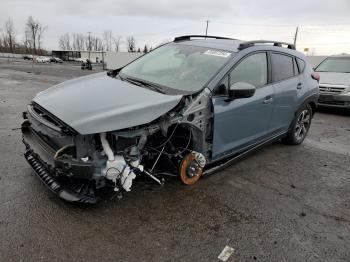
x: 268, y: 100
x: 299, y: 86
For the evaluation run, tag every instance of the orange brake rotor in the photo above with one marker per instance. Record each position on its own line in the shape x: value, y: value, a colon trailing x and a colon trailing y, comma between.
x: 186, y: 163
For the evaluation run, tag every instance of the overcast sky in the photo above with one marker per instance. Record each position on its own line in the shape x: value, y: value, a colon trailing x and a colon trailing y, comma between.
x: 324, y: 24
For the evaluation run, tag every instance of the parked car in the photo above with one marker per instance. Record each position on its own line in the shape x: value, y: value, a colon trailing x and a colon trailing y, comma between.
x: 186, y: 109
x: 335, y: 81
x: 55, y: 60
x: 80, y: 59
x: 86, y: 65
x: 27, y: 57
x: 42, y: 59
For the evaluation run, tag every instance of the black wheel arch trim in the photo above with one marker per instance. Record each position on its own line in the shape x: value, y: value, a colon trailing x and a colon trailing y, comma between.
x: 310, y: 100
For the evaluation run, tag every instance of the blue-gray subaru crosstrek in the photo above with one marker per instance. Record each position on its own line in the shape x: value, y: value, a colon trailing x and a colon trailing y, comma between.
x: 186, y: 109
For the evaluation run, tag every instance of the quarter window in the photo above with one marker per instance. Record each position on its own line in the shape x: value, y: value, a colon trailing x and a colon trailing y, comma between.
x: 301, y: 65
x: 296, y: 70
x: 282, y: 66
x: 252, y: 70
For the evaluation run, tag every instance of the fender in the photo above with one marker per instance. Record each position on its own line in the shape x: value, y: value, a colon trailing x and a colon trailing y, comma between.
x: 312, y: 100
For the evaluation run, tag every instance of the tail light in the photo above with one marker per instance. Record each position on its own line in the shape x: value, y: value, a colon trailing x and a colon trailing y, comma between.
x: 315, y: 76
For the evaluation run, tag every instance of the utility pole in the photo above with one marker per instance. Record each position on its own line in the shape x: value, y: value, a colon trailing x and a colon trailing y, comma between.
x: 103, y: 60
x: 206, y: 29
x: 296, y: 37
x: 89, y: 44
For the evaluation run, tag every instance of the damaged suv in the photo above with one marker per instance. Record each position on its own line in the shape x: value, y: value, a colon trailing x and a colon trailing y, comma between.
x: 186, y: 109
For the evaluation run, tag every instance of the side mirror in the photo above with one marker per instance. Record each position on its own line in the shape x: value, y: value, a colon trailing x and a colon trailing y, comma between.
x: 241, y: 90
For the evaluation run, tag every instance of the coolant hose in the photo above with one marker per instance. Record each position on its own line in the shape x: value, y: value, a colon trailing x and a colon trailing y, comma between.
x: 106, y: 147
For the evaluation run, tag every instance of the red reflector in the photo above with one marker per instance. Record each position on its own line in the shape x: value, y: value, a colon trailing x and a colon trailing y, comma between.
x: 315, y: 76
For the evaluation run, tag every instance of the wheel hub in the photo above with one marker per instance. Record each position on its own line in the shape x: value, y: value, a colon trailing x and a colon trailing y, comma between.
x: 190, y: 170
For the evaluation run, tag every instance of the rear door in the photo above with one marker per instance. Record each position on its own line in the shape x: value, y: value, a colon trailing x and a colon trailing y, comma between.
x: 242, y: 122
x: 286, y: 83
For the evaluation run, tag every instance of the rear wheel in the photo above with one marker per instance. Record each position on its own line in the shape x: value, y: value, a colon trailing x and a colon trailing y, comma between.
x: 300, y: 126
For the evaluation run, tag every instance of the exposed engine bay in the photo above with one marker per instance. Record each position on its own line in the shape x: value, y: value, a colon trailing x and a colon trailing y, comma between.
x: 79, y: 168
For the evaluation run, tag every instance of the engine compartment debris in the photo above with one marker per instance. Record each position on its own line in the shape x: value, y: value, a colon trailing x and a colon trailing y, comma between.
x: 167, y: 146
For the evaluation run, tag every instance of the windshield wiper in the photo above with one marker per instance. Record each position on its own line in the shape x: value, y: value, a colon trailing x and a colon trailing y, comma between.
x: 139, y: 82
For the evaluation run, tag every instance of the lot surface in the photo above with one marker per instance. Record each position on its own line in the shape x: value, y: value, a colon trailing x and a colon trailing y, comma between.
x: 282, y: 203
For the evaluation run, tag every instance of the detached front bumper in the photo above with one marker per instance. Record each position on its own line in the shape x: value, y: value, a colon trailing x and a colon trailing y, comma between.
x: 40, y: 157
x: 336, y: 101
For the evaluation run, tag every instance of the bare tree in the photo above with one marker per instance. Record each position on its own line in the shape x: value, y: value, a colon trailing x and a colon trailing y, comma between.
x: 87, y: 43
x: 32, y: 28
x: 117, y: 41
x: 1, y: 44
x: 145, y: 49
x: 29, y: 39
x: 64, y: 42
x: 96, y: 43
x: 131, y: 44
x: 26, y: 42
x: 10, y: 34
x: 78, y: 41
x: 4, y: 43
x: 35, y: 31
x: 41, y: 31
x: 107, y: 40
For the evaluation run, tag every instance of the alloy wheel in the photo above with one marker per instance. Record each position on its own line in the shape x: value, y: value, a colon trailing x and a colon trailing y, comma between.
x: 302, y: 125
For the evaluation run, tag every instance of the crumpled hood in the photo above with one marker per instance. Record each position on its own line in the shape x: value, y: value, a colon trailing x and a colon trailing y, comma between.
x: 334, y: 78
x: 99, y: 103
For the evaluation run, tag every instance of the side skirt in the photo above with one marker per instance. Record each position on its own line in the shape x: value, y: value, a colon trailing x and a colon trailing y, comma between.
x: 230, y: 160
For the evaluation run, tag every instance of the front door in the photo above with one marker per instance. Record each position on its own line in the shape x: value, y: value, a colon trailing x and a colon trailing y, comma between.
x: 242, y: 122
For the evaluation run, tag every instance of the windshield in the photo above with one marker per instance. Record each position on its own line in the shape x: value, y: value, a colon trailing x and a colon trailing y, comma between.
x: 181, y: 67
x: 335, y: 64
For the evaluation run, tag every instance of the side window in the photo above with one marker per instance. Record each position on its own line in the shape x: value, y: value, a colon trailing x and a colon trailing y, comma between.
x: 301, y: 65
x: 252, y: 70
x: 282, y: 66
x: 296, y: 69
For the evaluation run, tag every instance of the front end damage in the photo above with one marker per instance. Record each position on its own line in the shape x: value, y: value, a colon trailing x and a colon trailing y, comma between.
x: 82, y: 168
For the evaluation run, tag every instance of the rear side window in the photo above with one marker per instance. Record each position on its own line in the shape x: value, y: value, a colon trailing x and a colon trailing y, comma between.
x: 252, y: 70
x: 301, y: 65
x: 296, y: 69
x: 282, y: 66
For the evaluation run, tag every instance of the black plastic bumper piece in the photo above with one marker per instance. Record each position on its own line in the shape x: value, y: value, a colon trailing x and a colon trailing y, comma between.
x: 40, y: 157
x: 45, y: 176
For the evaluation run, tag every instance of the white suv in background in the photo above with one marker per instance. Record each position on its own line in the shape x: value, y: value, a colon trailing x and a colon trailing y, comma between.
x: 335, y: 81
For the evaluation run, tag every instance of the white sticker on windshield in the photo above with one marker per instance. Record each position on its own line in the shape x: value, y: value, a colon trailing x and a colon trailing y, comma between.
x: 217, y: 53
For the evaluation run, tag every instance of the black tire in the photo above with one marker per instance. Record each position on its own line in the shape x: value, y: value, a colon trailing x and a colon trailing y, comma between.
x: 300, y: 126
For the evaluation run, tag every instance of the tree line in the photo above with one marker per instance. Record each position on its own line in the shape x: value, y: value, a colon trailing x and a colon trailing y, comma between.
x: 108, y: 42
x: 31, y: 43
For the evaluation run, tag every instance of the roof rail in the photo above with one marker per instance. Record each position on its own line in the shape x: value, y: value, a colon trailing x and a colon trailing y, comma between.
x: 247, y: 44
x: 188, y: 37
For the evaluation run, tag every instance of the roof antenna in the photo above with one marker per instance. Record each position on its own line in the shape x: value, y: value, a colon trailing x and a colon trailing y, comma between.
x: 296, y: 37
x: 206, y: 29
